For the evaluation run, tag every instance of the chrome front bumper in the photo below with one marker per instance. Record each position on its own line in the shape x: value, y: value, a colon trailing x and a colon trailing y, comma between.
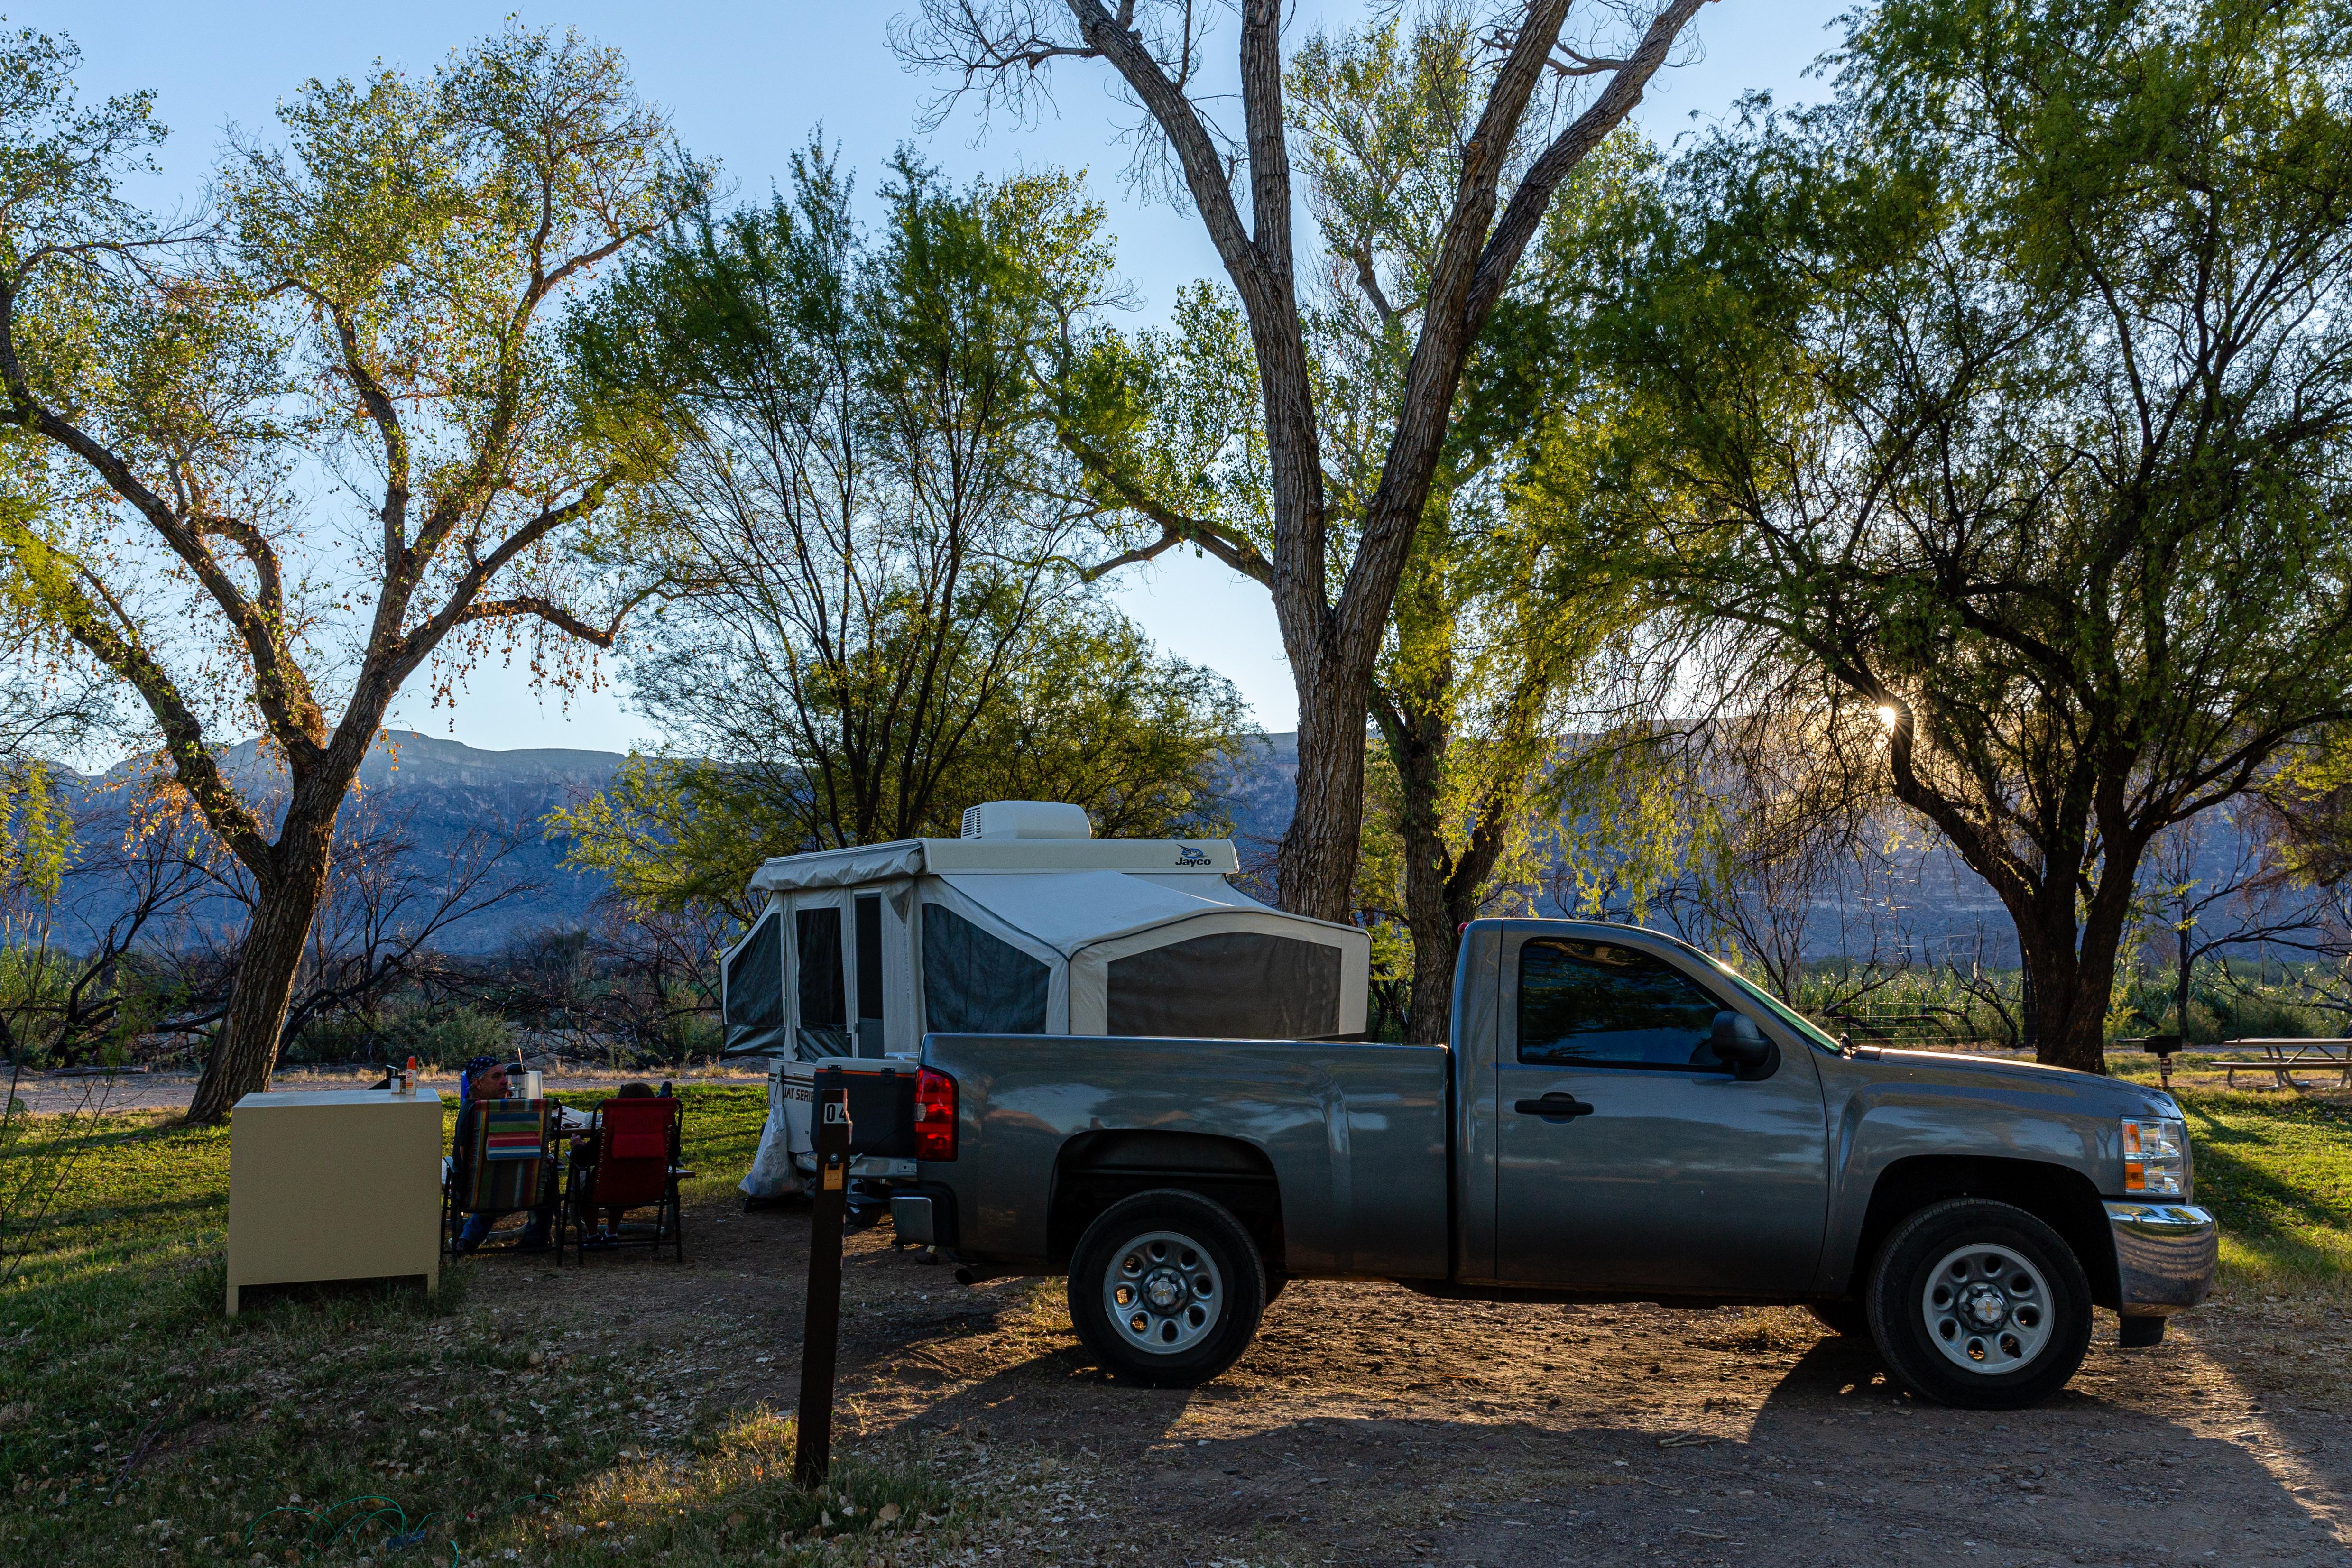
x: 2165, y: 1256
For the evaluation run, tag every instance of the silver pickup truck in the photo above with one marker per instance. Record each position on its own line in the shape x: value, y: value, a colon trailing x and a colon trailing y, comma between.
x: 1616, y: 1117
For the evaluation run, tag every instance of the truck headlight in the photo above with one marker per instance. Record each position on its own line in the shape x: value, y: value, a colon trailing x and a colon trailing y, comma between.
x: 2155, y: 1156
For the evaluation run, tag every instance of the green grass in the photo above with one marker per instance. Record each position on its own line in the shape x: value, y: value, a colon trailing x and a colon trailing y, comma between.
x: 2277, y: 1170
x: 2275, y: 1166
x: 127, y: 1398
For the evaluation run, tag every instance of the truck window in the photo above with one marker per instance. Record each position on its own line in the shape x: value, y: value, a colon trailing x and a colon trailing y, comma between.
x: 1598, y: 1004
x: 975, y: 983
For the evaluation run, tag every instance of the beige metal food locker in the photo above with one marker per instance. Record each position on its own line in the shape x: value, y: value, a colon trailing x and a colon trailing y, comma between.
x: 344, y: 1184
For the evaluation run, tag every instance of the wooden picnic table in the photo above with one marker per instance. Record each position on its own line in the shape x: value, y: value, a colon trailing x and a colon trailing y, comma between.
x: 2283, y: 1059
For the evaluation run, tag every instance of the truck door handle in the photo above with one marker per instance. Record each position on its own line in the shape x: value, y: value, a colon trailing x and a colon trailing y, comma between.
x: 1554, y: 1107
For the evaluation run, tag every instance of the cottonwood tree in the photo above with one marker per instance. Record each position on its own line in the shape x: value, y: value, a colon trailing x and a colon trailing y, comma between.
x: 1332, y: 573
x: 1499, y: 634
x: 2008, y: 394
x: 371, y: 316
x: 870, y: 623
x: 390, y: 906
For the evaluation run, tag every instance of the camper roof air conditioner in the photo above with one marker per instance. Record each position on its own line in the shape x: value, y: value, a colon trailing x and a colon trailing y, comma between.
x: 1026, y: 819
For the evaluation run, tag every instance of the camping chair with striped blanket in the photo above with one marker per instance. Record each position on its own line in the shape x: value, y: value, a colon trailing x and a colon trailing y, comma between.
x: 505, y: 1164
x: 630, y: 1163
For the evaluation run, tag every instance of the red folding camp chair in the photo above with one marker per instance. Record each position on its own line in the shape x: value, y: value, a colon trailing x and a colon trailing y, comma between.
x: 634, y: 1146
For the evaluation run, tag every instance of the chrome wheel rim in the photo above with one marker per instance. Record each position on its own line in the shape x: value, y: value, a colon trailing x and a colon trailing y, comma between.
x: 1163, y: 1292
x: 1988, y: 1308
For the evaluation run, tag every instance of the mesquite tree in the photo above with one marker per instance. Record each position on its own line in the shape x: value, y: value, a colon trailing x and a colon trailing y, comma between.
x: 1240, y: 184
x: 2008, y: 397
x: 371, y: 315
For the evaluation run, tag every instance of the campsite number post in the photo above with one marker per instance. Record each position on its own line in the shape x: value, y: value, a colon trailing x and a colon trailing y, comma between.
x: 821, y: 1331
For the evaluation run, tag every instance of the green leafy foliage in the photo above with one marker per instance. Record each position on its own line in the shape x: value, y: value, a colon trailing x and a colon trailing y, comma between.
x: 2008, y: 394
x: 868, y: 532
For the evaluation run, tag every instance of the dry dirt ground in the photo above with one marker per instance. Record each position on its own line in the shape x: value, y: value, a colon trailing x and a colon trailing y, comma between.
x: 1371, y: 1425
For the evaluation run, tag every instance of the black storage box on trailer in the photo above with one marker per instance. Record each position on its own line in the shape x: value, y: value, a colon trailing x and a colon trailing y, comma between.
x: 881, y: 1110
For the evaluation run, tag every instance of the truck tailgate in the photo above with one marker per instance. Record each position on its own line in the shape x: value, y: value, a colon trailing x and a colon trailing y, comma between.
x: 1355, y: 1135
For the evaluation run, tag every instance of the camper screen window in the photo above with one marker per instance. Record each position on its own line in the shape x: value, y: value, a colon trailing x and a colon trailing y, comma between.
x: 823, y: 1005
x: 1234, y: 986
x: 975, y: 984
x: 755, y: 985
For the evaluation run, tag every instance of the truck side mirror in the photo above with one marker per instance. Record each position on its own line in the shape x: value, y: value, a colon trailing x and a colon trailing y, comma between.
x: 1740, y: 1045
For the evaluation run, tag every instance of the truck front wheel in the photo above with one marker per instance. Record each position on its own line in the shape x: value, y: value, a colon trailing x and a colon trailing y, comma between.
x: 1165, y: 1288
x: 1978, y: 1305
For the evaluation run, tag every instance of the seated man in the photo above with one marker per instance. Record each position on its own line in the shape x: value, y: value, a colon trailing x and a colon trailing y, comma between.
x: 486, y: 1078
x: 583, y: 1158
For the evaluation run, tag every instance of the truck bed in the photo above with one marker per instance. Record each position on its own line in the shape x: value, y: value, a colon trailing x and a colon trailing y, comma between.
x: 1353, y: 1134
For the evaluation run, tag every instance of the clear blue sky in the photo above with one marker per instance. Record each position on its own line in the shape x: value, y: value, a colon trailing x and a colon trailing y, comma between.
x: 747, y: 83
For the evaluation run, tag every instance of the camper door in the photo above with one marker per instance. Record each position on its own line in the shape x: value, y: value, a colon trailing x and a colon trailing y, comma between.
x: 853, y: 991
x: 819, y: 974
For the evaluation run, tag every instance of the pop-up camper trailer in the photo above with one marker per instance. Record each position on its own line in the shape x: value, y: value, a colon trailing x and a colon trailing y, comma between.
x: 1025, y: 925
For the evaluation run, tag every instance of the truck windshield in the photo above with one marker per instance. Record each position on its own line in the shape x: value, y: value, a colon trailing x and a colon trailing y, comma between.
x: 1778, y: 1008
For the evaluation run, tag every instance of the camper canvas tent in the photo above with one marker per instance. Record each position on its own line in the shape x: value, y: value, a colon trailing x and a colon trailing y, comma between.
x: 1027, y: 924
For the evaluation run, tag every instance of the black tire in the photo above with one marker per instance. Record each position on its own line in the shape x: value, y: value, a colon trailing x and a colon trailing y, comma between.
x: 1978, y: 1305
x: 1191, y: 1279
x: 1851, y: 1318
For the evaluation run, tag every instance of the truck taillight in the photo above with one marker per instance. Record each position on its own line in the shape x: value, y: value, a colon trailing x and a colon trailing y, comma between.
x: 935, y: 1115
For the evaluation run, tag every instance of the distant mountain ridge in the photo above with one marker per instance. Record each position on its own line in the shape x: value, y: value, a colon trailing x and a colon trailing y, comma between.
x: 447, y: 790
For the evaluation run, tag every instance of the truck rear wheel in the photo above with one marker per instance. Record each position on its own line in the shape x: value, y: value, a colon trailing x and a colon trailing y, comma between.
x: 1978, y: 1305
x: 1165, y: 1288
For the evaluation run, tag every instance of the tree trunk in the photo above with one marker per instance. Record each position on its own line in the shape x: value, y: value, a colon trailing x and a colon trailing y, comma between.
x: 1440, y: 888
x: 2181, y: 1006
x: 1315, y: 864
x: 2073, y: 975
x: 247, y: 1050
x: 1417, y: 745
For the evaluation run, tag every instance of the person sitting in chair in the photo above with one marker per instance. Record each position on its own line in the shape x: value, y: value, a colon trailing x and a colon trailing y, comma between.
x: 486, y: 1078
x: 583, y: 1156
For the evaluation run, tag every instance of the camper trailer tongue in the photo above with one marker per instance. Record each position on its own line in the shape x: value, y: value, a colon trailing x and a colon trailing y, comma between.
x: 1026, y: 819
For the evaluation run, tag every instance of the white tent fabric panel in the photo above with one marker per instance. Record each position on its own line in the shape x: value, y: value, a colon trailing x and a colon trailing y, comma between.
x: 1090, y: 966
x: 1067, y: 910
x: 753, y: 1006
x: 840, y: 867
x: 902, y: 1018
